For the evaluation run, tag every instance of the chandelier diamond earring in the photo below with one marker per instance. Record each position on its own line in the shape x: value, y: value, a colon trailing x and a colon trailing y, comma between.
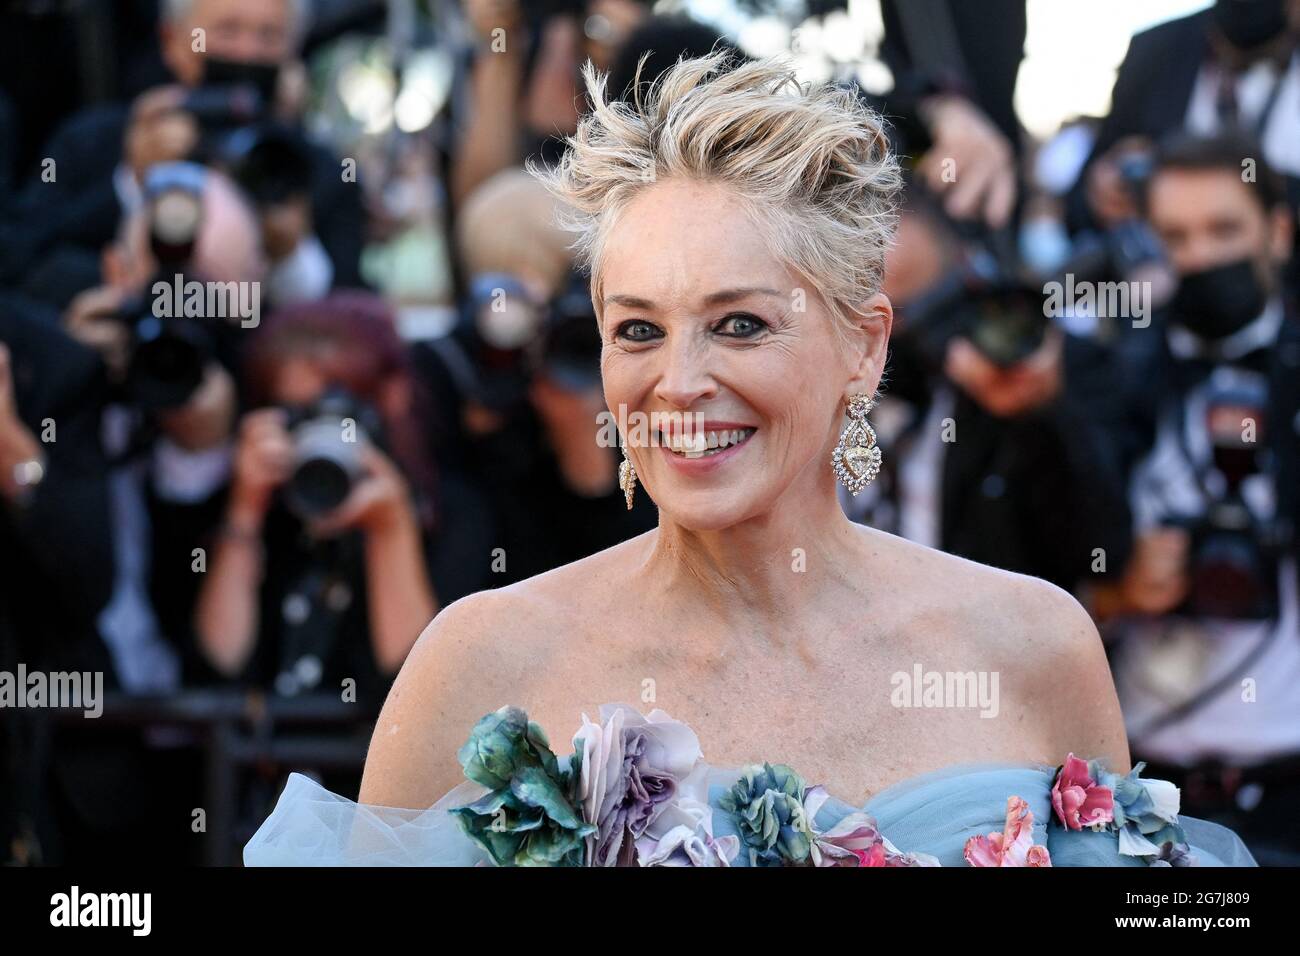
x: 626, y: 477
x: 856, y: 459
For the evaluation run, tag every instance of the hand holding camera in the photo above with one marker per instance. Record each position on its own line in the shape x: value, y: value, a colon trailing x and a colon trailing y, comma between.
x: 324, y: 464
x: 1008, y: 391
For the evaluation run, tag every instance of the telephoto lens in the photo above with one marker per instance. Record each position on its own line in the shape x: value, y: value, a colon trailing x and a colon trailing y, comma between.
x: 170, y: 346
x: 167, y: 360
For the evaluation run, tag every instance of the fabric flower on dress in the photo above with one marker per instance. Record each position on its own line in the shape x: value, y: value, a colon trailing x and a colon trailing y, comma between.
x: 1078, y: 799
x: 1146, y: 816
x: 687, y: 838
x: 1174, y: 854
x: 1014, y: 846
x: 768, y: 801
x: 854, y: 840
x: 526, y: 818
x: 631, y: 769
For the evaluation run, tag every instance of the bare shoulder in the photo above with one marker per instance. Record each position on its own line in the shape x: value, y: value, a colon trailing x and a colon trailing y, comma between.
x: 1067, y: 662
x: 1038, y: 635
x: 1059, y: 660
x: 487, y: 650
x: 461, y: 668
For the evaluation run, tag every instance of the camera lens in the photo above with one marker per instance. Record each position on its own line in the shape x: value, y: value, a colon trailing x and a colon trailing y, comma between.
x: 326, y: 452
x: 319, y: 485
x: 166, y: 365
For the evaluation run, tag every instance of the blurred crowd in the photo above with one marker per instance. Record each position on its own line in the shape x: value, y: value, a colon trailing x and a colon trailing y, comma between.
x: 246, y: 444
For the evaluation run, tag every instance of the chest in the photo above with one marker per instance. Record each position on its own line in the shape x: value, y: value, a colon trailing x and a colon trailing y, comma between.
x: 851, y: 718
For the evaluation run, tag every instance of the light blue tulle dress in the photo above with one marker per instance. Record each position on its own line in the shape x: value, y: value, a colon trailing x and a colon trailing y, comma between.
x: 932, y: 817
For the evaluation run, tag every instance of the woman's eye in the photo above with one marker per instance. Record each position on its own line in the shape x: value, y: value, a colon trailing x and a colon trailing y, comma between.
x: 741, y: 325
x: 637, y: 330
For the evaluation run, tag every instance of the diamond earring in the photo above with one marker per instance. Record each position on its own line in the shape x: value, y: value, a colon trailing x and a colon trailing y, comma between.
x: 856, y: 459
x: 627, y: 477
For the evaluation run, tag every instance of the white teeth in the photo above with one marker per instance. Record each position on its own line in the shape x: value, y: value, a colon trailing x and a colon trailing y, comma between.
x: 681, y: 443
x: 700, y: 444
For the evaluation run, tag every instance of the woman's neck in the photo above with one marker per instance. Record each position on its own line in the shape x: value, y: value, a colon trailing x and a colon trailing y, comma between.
x: 760, y: 571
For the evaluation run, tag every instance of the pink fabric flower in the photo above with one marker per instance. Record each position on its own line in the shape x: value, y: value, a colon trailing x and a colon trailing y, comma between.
x: 855, y: 840
x: 1079, y: 800
x: 1014, y: 846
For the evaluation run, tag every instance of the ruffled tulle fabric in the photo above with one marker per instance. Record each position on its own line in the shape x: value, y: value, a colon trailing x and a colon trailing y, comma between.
x: 934, y: 813
x: 312, y: 826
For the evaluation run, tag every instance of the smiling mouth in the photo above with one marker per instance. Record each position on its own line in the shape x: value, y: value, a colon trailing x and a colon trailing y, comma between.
x: 706, y: 444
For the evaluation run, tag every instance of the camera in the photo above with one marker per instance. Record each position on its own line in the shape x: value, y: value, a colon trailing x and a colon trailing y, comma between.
x: 167, y: 352
x: 270, y: 162
x: 1001, y: 314
x: 218, y: 109
x: 510, y: 337
x: 167, y: 356
x: 1234, y: 555
x: 327, y: 440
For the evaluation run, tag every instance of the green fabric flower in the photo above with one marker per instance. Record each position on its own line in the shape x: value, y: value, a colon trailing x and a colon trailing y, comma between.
x: 768, y: 802
x: 528, y: 818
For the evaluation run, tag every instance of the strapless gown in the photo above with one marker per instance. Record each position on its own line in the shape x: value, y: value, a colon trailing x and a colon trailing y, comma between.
x: 637, y: 791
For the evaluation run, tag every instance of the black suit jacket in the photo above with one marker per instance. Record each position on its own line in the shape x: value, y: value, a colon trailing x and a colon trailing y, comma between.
x: 1037, y: 494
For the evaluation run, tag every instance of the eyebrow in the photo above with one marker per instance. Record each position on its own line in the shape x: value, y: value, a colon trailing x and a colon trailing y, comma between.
x: 714, y: 298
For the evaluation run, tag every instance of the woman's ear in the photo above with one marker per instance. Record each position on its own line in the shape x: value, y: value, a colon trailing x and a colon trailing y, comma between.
x: 872, y: 322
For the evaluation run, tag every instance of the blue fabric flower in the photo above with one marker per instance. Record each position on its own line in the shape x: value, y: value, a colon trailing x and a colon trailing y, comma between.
x: 768, y: 801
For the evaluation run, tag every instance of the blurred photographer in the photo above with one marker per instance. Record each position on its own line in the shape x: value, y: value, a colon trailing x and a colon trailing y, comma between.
x: 107, y: 517
x: 520, y: 375
x: 236, y: 104
x: 997, y: 418
x: 1208, y: 659
x: 319, y: 572
x: 173, y: 402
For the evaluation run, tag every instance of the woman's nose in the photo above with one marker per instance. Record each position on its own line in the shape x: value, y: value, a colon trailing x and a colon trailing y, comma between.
x: 685, y: 377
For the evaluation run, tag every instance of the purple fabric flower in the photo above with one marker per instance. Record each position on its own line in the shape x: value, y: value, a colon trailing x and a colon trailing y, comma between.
x: 631, y: 768
x: 683, y: 836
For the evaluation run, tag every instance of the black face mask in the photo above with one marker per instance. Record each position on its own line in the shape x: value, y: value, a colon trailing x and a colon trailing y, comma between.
x: 1250, y: 23
x: 263, y: 77
x: 1218, y: 301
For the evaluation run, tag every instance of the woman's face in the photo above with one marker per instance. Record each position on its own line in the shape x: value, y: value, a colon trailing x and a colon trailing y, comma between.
x: 697, y: 315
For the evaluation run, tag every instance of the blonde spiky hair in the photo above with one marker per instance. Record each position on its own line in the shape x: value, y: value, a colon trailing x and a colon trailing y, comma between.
x: 812, y: 163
